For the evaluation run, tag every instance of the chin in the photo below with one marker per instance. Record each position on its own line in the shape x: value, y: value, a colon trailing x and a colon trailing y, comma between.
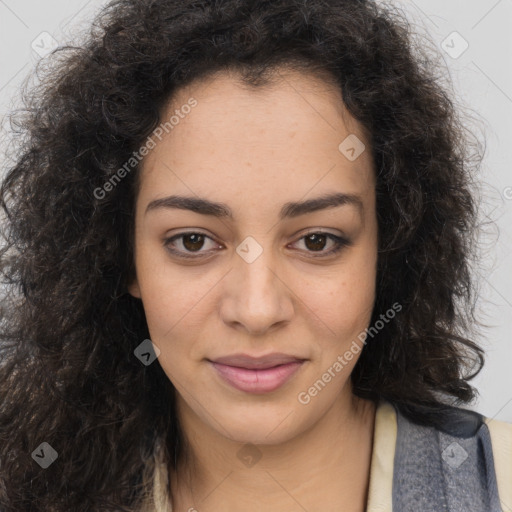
x: 273, y: 426
x: 260, y: 434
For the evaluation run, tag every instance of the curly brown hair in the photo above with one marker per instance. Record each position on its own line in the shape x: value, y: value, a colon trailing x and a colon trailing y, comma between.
x: 68, y: 374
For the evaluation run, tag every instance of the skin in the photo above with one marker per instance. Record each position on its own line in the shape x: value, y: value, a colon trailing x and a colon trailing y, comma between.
x: 256, y: 150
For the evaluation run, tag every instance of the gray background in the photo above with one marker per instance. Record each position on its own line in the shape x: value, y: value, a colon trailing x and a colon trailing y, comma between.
x: 477, y: 61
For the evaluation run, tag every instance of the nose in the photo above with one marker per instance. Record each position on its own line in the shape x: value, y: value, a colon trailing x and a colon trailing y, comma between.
x: 256, y: 297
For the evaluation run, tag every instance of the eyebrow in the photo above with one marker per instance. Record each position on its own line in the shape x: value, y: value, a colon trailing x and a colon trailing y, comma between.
x: 289, y: 210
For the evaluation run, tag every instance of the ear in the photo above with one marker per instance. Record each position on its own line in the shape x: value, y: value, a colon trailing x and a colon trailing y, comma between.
x: 134, y: 289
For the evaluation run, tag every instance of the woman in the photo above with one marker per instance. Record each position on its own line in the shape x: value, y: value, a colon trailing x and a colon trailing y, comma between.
x: 238, y: 247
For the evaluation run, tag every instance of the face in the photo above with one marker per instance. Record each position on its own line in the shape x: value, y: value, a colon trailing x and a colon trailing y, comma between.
x: 252, y: 287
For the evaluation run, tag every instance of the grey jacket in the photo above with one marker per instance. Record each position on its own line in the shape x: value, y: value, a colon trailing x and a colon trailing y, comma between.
x: 449, y: 467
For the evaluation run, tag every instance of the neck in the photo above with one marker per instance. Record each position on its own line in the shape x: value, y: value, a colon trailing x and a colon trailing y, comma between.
x: 323, y: 467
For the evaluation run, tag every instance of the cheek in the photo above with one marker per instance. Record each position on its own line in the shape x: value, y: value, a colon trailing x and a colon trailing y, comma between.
x: 177, y: 301
x: 346, y: 310
x: 345, y: 302
x: 169, y: 292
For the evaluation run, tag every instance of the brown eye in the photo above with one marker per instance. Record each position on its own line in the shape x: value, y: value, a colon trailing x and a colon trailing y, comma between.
x: 184, y: 245
x: 189, y: 244
x: 317, y: 241
x: 193, y: 241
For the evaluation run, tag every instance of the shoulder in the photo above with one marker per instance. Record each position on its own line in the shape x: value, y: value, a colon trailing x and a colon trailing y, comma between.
x: 461, y: 457
x: 501, y: 439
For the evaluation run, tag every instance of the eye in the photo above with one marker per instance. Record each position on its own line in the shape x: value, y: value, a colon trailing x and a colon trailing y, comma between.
x: 186, y: 245
x: 191, y: 241
x: 316, y: 241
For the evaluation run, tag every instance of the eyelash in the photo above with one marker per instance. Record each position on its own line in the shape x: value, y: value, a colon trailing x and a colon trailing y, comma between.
x: 340, y: 244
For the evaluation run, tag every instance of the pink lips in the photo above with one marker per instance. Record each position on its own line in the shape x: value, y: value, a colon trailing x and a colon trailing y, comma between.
x: 257, y: 374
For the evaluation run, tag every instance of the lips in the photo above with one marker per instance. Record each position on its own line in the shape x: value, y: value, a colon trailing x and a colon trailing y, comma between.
x: 257, y: 363
x: 257, y: 374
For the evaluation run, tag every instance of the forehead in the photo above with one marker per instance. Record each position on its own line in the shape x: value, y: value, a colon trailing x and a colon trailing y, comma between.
x: 288, y: 100
x: 290, y: 134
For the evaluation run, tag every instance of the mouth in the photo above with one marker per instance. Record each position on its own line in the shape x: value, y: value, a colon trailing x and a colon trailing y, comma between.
x: 257, y: 374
